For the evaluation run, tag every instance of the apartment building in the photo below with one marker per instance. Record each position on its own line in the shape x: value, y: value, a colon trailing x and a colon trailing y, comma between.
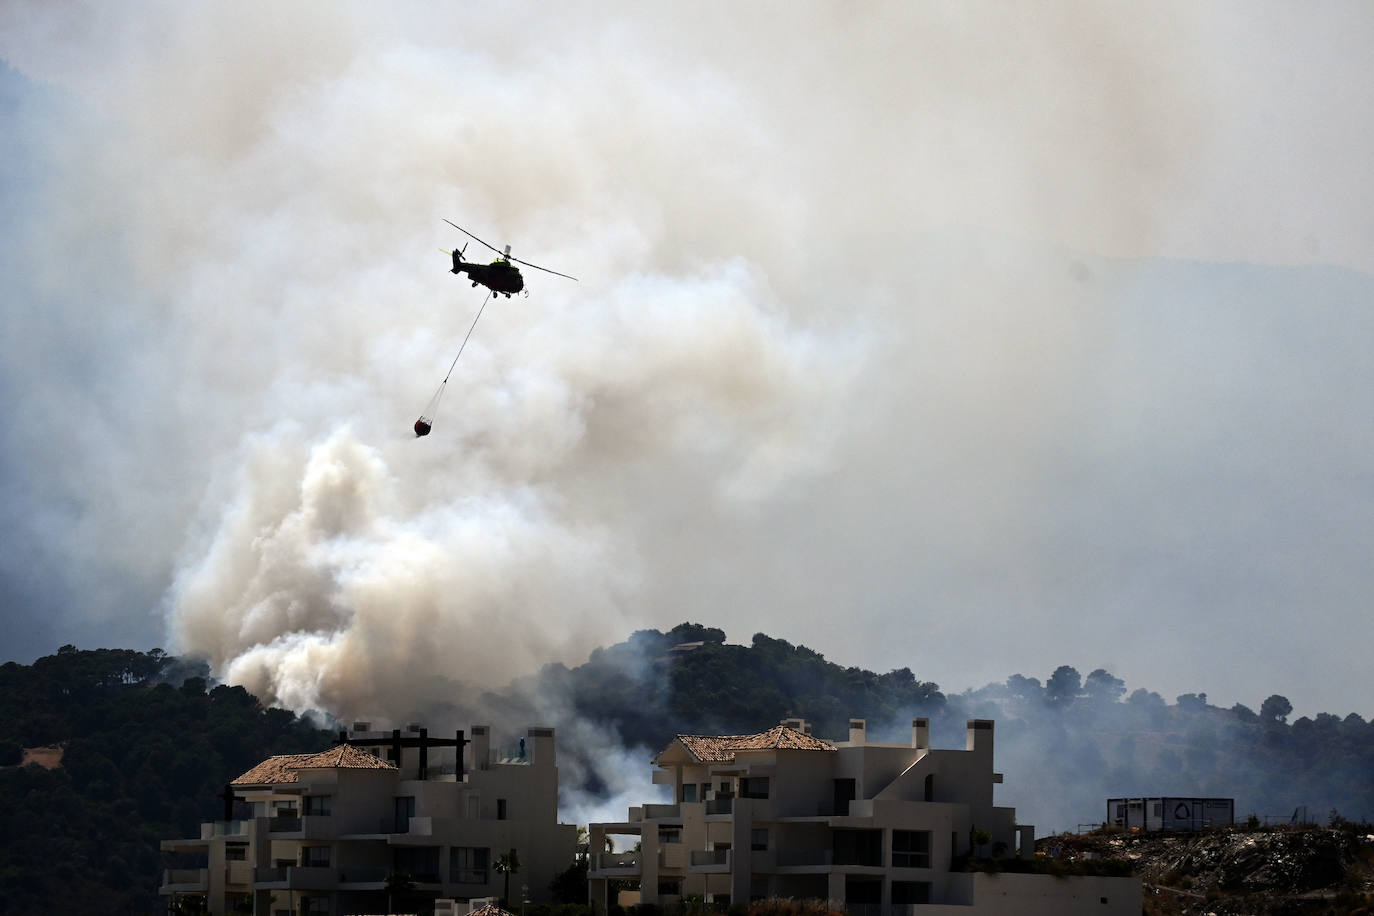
x: 879, y: 828
x: 333, y: 833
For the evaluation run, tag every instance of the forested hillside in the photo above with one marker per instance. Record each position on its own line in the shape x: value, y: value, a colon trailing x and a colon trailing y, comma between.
x: 1066, y: 743
x: 147, y: 747
x: 145, y: 750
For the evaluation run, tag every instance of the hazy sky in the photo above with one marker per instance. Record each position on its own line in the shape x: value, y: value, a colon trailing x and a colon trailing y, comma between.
x: 972, y: 338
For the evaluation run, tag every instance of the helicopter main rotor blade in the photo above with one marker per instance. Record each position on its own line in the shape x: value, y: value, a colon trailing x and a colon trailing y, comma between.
x: 507, y: 255
x: 544, y: 269
x: 470, y: 235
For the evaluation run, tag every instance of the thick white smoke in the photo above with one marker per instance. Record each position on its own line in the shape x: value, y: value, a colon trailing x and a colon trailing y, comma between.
x: 832, y: 369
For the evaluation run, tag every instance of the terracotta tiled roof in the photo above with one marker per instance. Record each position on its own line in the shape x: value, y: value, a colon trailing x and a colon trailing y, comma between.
x: 490, y: 909
x: 284, y: 768
x: 722, y: 749
x: 345, y: 756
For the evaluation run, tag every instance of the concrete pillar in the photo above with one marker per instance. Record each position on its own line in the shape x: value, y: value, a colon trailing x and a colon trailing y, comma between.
x: 1026, y: 839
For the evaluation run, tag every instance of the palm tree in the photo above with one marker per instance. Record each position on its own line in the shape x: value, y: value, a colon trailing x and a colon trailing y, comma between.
x: 507, y: 863
x: 399, y: 884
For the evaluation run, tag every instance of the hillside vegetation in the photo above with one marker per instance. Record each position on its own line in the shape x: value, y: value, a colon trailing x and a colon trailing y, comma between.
x: 146, y: 748
x: 147, y: 744
x: 1066, y: 744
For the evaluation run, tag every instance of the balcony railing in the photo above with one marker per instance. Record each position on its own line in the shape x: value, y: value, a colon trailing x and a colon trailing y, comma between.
x: 720, y: 806
x: 801, y: 858
x: 653, y: 812
x: 285, y: 823
x: 469, y: 875
x: 273, y: 875
x: 374, y: 875
x: 211, y: 829
x: 617, y: 860
x: 199, y: 877
x: 708, y: 857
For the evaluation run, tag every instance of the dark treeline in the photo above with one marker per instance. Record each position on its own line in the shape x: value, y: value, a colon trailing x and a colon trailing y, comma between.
x: 149, y: 745
x: 146, y: 749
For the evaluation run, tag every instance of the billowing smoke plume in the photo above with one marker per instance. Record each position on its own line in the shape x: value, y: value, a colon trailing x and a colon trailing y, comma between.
x: 833, y: 368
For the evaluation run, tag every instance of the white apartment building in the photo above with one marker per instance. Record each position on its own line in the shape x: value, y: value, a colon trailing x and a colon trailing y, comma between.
x: 877, y: 828
x: 329, y: 833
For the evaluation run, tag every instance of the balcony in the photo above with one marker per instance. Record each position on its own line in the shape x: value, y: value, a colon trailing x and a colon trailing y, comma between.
x: 657, y: 812
x: 211, y: 829
x: 296, y: 878
x: 616, y: 864
x: 709, y: 861
x: 720, y: 806
x: 805, y: 859
x: 185, y: 880
x: 284, y: 823
x: 353, y: 877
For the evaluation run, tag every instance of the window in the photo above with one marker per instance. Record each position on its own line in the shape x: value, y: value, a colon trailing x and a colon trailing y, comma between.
x: 905, y: 893
x: 319, y: 805
x: 312, y: 906
x: 236, y: 852
x: 758, y: 838
x: 858, y: 847
x: 753, y: 787
x: 670, y: 833
x: 670, y: 887
x: 405, y: 810
x: 315, y: 857
x: 1158, y: 810
x: 689, y: 792
x: 500, y: 809
x: 470, y: 865
x: 910, y: 849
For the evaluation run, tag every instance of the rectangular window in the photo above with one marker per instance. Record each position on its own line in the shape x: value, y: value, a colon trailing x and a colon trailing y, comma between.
x: 405, y: 810
x: 753, y: 787
x: 315, y: 857
x: 500, y: 809
x: 670, y: 887
x: 670, y: 833
x: 315, y: 906
x: 857, y: 847
x: 1158, y: 809
x: 470, y: 864
x: 910, y: 849
x: 236, y: 853
x: 758, y: 838
x: 689, y: 792
x: 319, y: 805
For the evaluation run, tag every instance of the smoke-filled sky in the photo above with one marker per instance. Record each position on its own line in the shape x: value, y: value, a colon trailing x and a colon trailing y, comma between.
x: 972, y: 338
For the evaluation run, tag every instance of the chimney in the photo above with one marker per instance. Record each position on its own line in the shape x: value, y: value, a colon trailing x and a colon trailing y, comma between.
x: 857, y: 728
x: 920, y: 734
x: 542, y: 746
x: 481, y: 747
x: 978, y: 736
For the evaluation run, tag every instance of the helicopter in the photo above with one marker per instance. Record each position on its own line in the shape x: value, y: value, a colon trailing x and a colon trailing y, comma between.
x: 500, y: 276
